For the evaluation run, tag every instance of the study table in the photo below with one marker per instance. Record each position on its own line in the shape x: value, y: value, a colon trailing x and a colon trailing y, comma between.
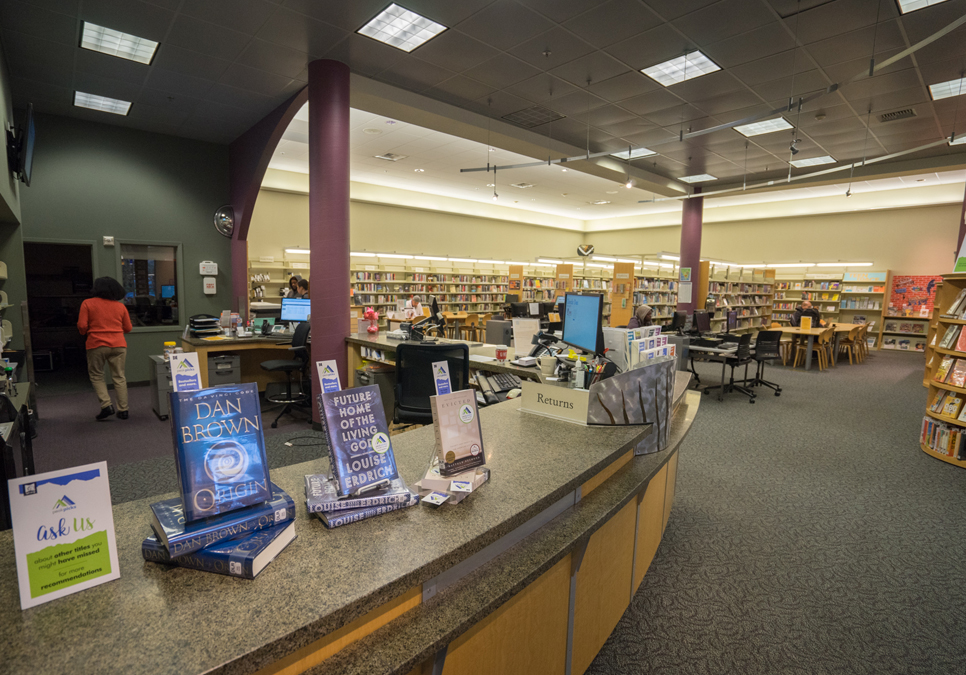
x: 531, y: 571
x: 798, y: 333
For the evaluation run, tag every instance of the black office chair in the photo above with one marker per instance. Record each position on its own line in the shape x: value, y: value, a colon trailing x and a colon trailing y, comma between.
x: 742, y: 358
x: 767, y: 348
x: 415, y: 382
x: 299, y: 350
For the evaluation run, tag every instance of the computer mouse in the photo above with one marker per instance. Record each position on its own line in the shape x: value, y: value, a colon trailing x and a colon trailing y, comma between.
x: 513, y: 393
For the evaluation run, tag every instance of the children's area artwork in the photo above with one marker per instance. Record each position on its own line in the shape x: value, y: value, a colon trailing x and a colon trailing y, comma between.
x: 913, y: 296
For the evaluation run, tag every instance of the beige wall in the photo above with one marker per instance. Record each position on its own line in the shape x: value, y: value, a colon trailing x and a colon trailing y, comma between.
x: 907, y: 241
x: 281, y: 219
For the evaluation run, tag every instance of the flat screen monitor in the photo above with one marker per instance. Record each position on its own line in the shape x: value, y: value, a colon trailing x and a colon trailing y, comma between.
x: 702, y: 322
x: 512, y: 297
x: 296, y: 309
x: 679, y: 320
x: 167, y: 291
x: 520, y: 309
x: 732, y: 320
x: 582, y: 322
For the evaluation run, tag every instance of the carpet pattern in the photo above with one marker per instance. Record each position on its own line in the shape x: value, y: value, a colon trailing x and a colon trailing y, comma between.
x: 809, y: 535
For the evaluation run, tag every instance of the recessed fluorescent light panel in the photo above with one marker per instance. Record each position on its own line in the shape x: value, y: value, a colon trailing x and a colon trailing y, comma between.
x: 812, y: 161
x: 636, y: 153
x: 115, y: 43
x: 947, y: 89
x: 700, y: 178
x: 763, y: 127
x: 101, y: 103
x: 400, y: 28
x: 682, y: 68
x: 959, y: 140
x: 906, y: 6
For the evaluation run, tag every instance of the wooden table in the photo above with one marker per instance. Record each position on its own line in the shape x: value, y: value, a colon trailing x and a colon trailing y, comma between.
x: 453, y: 322
x: 797, y: 332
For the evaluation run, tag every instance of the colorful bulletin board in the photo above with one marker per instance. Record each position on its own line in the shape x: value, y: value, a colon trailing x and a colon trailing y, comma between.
x: 912, y: 295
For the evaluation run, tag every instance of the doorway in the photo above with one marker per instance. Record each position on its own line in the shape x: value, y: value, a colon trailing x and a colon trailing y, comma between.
x: 59, y: 279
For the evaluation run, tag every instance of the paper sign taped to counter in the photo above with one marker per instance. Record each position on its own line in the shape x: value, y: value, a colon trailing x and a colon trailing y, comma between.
x: 63, y: 532
x: 328, y: 376
x: 185, y: 374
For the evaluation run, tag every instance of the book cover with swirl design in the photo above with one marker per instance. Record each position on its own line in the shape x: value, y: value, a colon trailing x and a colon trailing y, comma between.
x: 219, y: 450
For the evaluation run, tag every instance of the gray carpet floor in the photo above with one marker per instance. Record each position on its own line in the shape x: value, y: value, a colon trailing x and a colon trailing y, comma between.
x: 809, y: 535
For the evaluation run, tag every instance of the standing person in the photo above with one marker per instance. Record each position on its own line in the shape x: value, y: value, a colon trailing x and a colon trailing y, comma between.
x: 642, y: 317
x: 303, y: 289
x: 105, y: 320
x: 293, y: 286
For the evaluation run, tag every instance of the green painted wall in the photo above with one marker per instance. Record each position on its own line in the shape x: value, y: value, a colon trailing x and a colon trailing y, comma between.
x: 9, y: 187
x: 93, y: 180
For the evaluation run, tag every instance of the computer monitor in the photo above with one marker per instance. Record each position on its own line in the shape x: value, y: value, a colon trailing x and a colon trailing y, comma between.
x: 702, y: 322
x: 512, y: 297
x: 296, y: 309
x: 582, y: 326
x: 546, y: 308
x: 732, y: 320
x: 678, y: 321
x: 167, y: 291
x: 520, y: 309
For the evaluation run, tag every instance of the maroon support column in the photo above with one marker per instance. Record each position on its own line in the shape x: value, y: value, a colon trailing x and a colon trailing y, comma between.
x: 962, y: 232
x: 691, y: 219
x: 329, y: 214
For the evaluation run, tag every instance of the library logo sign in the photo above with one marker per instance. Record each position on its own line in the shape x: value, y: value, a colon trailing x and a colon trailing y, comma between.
x: 64, y: 504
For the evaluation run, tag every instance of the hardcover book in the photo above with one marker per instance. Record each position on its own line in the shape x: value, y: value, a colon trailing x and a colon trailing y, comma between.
x: 940, y: 401
x: 943, y: 370
x: 459, y: 438
x: 219, y: 449
x: 360, y: 449
x: 239, y: 557
x: 957, y: 375
x: 334, y: 519
x: 952, y: 406
x: 181, y: 538
x: 322, y: 495
x: 961, y: 342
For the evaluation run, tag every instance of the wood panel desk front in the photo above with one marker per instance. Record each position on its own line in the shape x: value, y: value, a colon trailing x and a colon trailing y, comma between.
x: 251, y: 351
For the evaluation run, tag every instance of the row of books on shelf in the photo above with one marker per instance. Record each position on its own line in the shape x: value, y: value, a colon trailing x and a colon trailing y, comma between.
x: 655, y: 299
x: 826, y: 297
x: 954, y: 338
x: 538, y: 295
x: 807, y: 284
x: 949, y: 404
x: 951, y: 370
x: 655, y: 285
x: 860, y: 303
x: 946, y: 439
x: 852, y: 288
x: 735, y: 287
x: 957, y: 310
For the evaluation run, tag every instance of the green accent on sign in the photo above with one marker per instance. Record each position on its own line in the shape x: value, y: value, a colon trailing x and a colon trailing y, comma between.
x: 960, y: 265
x: 65, y: 565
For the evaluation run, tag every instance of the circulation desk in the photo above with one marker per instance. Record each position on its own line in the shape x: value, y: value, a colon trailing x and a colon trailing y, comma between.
x: 566, y: 528
x: 252, y: 351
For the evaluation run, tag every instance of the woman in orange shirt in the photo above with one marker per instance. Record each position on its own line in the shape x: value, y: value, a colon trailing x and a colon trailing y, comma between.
x: 105, y: 320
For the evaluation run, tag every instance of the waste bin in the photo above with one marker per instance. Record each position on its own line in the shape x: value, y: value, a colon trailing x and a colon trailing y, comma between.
x: 385, y: 376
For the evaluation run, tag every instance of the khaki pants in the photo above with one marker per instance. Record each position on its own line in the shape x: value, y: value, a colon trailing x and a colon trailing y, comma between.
x: 115, y: 358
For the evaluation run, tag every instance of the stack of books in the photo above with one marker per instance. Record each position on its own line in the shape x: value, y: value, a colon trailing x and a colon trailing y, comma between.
x: 946, y: 439
x: 230, y: 518
x: 322, y: 498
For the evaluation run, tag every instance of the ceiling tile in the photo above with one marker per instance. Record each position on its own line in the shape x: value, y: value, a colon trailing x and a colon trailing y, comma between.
x: 274, y: 58
x: 350, y: 16
x: 165, y: 100
x: 764, y: 41
x: 462, y: 88
x: 110, y: 66
x: 505, y: 24
x: 164, y: 115
x: 894, y: 100
x: 35, y: 91
x: 560, y: 10
x: 34, y: 59
x: 841, y: 16
x: 551, y: 49
x: 773, y: 67
x: 883, y: 84
x: 942, y: 71
x: 728, y: 116
x: 247, y: 102
x: 706, y: 86
x: 797, y: 86
x: 299, y: 32
x: 674, y: 116
x: 845, y: 71
x: 658, y: 99
x: 724, y: 103
x: 244, y: 16
x: 130, y: 16
x: 105, y: 86
x: 38, y: 22
x: 207, y: 38
x: 258, y: 81
x: 624, y: 86
x: 941, y: 48
x: 187, y: 62
x: 672, y: 9
x: 448, y: 14
x: 500, y: 103
x: 415, y: 75
x: 629, y: 127
x: 501, y: 71
x: 858, y: 44
x: 596, y: 67
x: 612, y: 22
x: 68, y: 7
x: 921, y: 24
x: 651, y: 47
x: 455, y: 51
x: 723, y: 20
x: 178, y: 83
x: 576, y: 102
x: 606, y: 114
x: 364, y: 56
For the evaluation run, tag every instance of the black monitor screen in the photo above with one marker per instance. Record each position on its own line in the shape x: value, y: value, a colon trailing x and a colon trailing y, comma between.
x: 512, y: 297
x: 732, y: 320
x: 167, y: 291
x: 581, y: 322
x: 296, y: 309
x: 679, y: 320
x: 519, y: 309
x: 702, y: 322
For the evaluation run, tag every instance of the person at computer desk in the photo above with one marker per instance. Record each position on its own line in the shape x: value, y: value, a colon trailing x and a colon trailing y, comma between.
x: 414, y: 305
x: 806, y: 309
x: 303, y: 289
x: 642, y: 317
x: 293, y: 286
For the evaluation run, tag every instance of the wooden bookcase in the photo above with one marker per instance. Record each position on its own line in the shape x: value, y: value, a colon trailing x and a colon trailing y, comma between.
x: 932, y: 338
x: 824, y: 292
x: 622, y: 294
x: 659, y: 290
x: 749, y: 292
x: 946, y: 294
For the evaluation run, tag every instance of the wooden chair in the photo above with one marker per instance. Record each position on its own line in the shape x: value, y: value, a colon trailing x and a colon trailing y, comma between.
x: 470, y: 327
x: 821, y: 346
x: 785, y: 346
x: 850, y: 345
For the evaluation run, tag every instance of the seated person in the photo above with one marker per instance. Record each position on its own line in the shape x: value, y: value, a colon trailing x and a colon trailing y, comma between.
x: 303, y: 289
x: 413, y: 307
x: 642, y: 317
x: 806, y: 309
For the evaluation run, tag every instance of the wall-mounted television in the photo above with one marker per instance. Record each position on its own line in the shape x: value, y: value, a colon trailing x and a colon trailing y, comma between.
x: 20, y: 148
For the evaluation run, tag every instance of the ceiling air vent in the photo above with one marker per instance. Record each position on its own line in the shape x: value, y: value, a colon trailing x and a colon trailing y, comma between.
x: 522, y: 186
x: 390, y: 157
x: 533, y: 117
x: 897, y: 115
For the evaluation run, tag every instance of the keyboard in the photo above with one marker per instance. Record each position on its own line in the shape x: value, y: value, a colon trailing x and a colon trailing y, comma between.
x: 505, y: 381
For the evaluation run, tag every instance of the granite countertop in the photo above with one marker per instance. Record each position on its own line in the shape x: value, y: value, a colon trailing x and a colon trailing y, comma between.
x: 172, y: 620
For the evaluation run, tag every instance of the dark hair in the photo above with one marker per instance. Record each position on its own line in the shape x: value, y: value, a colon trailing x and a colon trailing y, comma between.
x: 304, y: 283
x: 296, y: 278
x: 108, y: 288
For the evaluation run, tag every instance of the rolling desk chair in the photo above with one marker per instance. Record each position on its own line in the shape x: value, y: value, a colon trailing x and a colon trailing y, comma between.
x: 767, y: 348
x: 742, y: 358
x: 290, y: 366
x: 415, y: 382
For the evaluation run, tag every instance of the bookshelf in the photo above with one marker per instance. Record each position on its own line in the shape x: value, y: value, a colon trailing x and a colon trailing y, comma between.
x: 936, y: 425
x: 931, y: 336
x: 905, y: 333
x: 824, y: 292
x: 750, y: 292
x: 660, y: 291
x: 273, y: 276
